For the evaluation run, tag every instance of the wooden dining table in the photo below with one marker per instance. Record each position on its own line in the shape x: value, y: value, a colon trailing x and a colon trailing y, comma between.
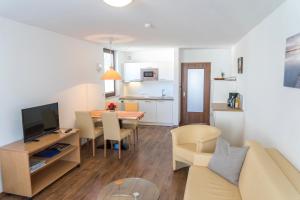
x: 122, y: 115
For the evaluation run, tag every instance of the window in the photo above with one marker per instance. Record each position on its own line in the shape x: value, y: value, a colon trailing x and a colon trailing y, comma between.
x: 109, y: 61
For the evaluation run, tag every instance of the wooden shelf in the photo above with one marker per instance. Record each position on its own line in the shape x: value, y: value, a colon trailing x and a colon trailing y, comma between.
x: 51, y: 160
x: 224, y: 107
x: 48, y: 175
x: 15, y: 160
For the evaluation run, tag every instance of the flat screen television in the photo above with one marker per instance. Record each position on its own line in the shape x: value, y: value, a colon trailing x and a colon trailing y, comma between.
x: 40, y: 120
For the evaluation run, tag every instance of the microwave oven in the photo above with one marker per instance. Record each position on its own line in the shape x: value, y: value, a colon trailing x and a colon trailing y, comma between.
x: 149, y: 74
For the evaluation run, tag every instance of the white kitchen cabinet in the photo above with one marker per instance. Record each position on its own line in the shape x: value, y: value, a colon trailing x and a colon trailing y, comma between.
x: 132, y: 72
x: 231, y: 125
x: 149, y: 107
x: 164, y: 111
x: 166, y: 71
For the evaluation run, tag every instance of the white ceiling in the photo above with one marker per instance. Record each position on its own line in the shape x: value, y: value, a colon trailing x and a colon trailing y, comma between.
x: 181, y: 23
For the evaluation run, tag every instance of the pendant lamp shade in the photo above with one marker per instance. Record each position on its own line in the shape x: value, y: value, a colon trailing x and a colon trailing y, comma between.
x: 111, y: 74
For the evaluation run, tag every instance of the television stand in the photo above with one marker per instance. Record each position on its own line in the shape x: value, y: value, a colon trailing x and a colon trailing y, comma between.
x: 15, y: 159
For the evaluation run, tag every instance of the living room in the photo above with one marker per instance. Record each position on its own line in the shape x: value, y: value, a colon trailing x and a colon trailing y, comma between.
x: 52, y: 54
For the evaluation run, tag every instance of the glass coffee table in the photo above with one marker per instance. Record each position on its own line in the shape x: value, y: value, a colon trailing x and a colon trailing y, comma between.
x: 130, y: 189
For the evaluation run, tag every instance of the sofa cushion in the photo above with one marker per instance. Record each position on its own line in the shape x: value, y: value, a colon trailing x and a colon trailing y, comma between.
x: 262, y: 179
x: 227, y: 161
x: 203, y: 184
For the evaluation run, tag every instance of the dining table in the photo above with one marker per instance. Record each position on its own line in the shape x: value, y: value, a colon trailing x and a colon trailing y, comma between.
x: 122, y: 115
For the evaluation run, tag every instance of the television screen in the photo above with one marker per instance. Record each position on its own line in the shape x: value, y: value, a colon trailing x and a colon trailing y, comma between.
x: 38, y: 121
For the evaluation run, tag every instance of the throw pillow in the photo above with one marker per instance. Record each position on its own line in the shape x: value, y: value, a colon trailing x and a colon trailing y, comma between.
x: 227, y: 161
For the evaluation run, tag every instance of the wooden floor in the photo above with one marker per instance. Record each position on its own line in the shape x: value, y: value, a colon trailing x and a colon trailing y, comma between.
x: 151, y: 160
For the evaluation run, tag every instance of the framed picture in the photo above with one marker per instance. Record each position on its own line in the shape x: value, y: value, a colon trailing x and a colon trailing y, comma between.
x: 240, y: 65
x: 292, y: 62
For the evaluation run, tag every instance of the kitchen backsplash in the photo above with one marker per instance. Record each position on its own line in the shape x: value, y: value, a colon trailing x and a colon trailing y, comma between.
x: 151, y: 88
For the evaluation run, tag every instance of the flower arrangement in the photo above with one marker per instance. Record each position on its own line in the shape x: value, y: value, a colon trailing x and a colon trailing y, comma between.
x: 111, y: 106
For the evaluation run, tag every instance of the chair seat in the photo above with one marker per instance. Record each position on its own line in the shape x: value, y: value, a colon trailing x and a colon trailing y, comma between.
x: 203, y: 184
x: 130, y: 124
x: 98, y: 131
x: 125, y: 132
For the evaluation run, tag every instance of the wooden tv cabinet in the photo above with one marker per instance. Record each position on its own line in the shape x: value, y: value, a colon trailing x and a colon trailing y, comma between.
x: 16, y: 175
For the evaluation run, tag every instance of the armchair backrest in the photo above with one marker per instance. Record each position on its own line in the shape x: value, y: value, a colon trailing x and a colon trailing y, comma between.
x: 203, y: 136
x: 195, y: 133
x: 85, y: 124
x: 111, y: 126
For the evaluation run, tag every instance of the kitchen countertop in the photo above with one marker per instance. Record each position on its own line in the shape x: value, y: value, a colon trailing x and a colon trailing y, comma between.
x: 224, y: 107
x: 146, y: 98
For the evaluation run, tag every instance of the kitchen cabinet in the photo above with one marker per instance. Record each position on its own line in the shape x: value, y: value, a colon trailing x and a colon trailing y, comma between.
x: 231, y: 124
x: 166, y: 71
x: 132, y: 72
x: 159, y: 112
x: 164, y: 112
x: 149, y: 107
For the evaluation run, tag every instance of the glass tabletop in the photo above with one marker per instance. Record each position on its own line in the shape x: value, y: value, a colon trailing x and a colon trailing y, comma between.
x: 129, y: 189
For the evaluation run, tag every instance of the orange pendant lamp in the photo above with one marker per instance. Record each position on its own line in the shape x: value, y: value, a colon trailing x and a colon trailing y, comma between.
x: 111, y: 74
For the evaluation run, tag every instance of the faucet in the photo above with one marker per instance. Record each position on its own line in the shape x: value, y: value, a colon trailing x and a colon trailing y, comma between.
x: 163, y: 94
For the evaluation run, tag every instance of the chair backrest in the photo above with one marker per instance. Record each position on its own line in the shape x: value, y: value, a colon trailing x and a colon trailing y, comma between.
x: 111, y: 126
x: 85, y: 124
x: 195, y: 133
x: 261, y: 178
x: 131, y: 106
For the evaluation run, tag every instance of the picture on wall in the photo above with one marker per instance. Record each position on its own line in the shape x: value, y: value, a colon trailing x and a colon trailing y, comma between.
x: 240, y: 65
x: 292, y: 62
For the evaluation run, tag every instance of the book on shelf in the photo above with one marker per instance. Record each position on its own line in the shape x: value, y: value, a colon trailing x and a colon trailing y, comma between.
x: 53, y: 150
x: 36, y: 163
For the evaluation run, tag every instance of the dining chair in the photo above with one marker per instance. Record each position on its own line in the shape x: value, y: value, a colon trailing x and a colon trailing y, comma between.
x: 86, y: 125
x: 112, y: 130
x: 132, y: 124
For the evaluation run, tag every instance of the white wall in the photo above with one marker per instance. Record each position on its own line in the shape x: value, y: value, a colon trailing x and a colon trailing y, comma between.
x: 271, y: 110
x: 39, y: 67
x: 221, y: 61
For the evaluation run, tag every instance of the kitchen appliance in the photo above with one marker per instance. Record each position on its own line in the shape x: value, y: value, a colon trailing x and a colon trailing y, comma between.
x: 149, y: 74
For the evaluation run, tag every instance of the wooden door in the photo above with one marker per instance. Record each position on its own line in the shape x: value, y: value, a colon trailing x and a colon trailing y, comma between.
x: 195, y: 93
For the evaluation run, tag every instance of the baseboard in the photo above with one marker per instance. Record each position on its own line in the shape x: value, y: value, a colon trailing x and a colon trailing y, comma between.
x: 155, y: 124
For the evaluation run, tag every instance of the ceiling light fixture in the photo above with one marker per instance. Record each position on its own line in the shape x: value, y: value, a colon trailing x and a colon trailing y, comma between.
x: 118, y: 3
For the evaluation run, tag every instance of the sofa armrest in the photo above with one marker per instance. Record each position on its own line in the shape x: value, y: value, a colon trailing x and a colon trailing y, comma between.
x: 202, y: 159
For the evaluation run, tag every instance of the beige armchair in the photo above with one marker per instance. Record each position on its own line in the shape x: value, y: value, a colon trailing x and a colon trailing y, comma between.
x: 86, y: 125
x: 112, y: 130
x: 191, y: 140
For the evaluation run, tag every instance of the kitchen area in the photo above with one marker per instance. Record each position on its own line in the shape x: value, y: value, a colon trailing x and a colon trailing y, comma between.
x: 148, y: 80
x: 151, y: 78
